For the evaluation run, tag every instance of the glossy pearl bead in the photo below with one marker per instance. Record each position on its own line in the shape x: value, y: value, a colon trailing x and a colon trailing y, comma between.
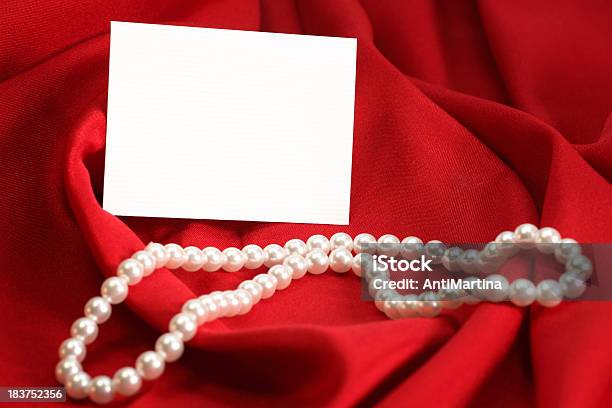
x: 507, y: 246
x: 114, y: 290
x: 66, y: 368
x: 255, y: 256
x: 85, y: 329
x: 581, y: 265
x: 127, y: 381
x: 468, y: 260
x: 184, y: 325
x: 572, y: 285
x: 212, y: 309
x: 297, y: 264
x: 317, y: 261
x: 245, y: 299
x: 268, y: 284
x: 566, y: 250
x: 254, y: 288
x: 388, y: 245
x: 275, y: 254
x: 73, y: 347
x: 412, y: 248
x: 497, y: 295
x: 282, y: 275
x: 131, y: 271
x: 170, y: 347
x: 525, y: 235
x: 101, y: 390
x: 150, y: 365
x: 296, y: 246
x: 451, y: 257
x: 341, y: 260
x: 77, y: 385
x: 341, y: 239
x: 550, y: 293
x: 146, y: 260
x: 98, y: 309
x: 215, y: 259
x: 194, y: 259
x: 235, y: 259
x: 522, y: 292
x: 233, y: 304
x: 195, y: 307
x: 176, y: 256
x: 435, y: 251
x: 365, y: 243
x: 158, y: 251
x: 318, y: 242
x: 547, y: 239
x: 359, y: 261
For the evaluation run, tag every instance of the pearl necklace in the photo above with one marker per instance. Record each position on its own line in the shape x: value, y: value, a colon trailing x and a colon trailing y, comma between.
x: 293, y: 261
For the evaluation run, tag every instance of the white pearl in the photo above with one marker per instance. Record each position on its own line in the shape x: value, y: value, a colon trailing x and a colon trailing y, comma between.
x: 73, y: 347
x: 235, y: 259
x: 131, y: 271
x: 566, y: 250
x: 194, y: 259
x: 195, y: 307
x: 341, y: 239
x: 407, y: 306
x: 101, y: 390
x: 184, y: 325
x: 382, y: 296
x: 550, y: 293
x: 492, y: 252
x: 275, y: 254
x: 318, y: 242
x: 412, y: 248
x: 468, y: 260
x: 233, y: 304
x: 365, y: 243
x: 176, y: 256
x: 255, y: 256
x: 150, y: 365
x: 147, y: 261
x: 525, y: 235
x: 435, y: 250
x: 296, y: 246
x: 317, y: 261
x: 572, y: 285
x: 451, y: 298
x: 359, y: 261
x: 507, y: 246
x: 253, y: 288
x: 268, y: 284
x: 522, y: 292
x: 212, y: 309
x: 127, y: 381
x: 283, y: 274
x: 580, y: 265
x: 221, y: 301
x: 66, y: 368
x: 85, y: 329
x: 98, y: 309
x: 78, y: 385
x: 114, y: 290
x: 158, y: 251
x: 297, y: 264
x: 486, y: 265
x: 497, y: 295
x: 388, y: 245
x: 451, y: 257
x: 170, y: 347
x: 390, y: 308
x: 429, y: 305
x: 215, y: 259
x: 341, y: 260
x: 245, y: 299
x: 546, y: 240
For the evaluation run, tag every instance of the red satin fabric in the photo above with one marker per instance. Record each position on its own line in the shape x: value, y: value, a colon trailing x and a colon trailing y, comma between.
x: 470, y: 119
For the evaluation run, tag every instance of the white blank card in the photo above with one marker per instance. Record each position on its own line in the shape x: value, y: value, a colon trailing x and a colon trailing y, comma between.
x: 229, y: 125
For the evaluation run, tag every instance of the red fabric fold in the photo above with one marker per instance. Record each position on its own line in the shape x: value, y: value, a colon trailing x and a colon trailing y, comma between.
x: 470, y: 118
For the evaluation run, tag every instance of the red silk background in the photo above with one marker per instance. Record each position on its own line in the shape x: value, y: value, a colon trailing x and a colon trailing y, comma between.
x: 470, y: 118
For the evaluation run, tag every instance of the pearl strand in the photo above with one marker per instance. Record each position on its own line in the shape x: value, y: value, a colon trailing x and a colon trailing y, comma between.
x: 340, y: 253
